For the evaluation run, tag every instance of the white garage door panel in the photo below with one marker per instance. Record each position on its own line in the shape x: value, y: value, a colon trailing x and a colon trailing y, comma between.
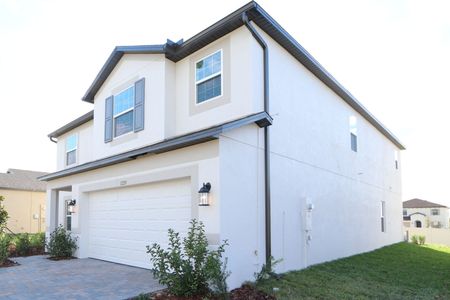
x: 123, y: 221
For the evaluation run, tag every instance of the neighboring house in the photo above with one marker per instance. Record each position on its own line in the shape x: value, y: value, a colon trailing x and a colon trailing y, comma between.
x: 422, y: 214
x: 25, y: 198
x: 298, y: 168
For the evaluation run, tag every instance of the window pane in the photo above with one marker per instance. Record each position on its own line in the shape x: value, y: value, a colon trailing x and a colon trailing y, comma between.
x: 71, y: 157
x: 209, y: 89
x: 354, y: 142
x: 208, y: 66
x: 71, y: 142
x: 69, y: 223
x: 123, y: 123
x: 124, y: 101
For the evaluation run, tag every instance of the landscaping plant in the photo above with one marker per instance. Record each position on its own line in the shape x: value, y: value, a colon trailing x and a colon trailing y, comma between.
x: 22, y: 242
x: 415, y: 239
x: 188, y: 267
x: 3, y: 215
x: 4, y: 248
x: 61, y: 244
x: 37, y: 242
x: 267, y: 270
x: 421, y: 240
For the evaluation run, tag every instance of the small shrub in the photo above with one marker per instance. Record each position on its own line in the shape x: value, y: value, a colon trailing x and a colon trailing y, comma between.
x: 4, y: 248
x: 22, y: 242
x: 3, y: 215
x: 415, y: 239
x: 267, y: 271
x: 61, y: 244
x: 188, y: 268
x: 421, y: 239
x: 37, y: 240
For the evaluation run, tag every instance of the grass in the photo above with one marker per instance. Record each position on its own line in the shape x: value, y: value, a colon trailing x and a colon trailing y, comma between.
x: 400, y: 271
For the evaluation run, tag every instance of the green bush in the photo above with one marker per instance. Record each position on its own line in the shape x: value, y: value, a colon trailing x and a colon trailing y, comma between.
x: 4, y: 248
x: 188, y: 268
x: 267, y: 271
x: 418, y: 239
x: 22, y: 244
x: 37, y: 240
x: 61, y: 244
x: 3, y: 215
x: 421, y: 239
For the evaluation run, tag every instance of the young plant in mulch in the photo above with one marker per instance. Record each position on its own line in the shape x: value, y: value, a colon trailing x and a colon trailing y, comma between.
x: 61, y: 244
x: 4, y: 252
x: 188, y: 268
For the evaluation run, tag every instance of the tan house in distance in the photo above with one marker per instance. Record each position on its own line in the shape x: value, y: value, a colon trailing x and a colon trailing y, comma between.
x: 420, y: 213
x: 24, y: 200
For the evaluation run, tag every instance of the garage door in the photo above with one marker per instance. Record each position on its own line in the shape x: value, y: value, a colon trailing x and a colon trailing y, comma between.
x: 123, y: 221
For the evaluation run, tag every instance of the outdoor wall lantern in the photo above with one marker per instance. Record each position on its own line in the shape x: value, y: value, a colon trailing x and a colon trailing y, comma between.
x: 71, y: 205
x: 203, y: 193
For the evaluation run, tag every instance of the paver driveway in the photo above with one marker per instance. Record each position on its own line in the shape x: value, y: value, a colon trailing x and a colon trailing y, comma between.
x: 40, y: 278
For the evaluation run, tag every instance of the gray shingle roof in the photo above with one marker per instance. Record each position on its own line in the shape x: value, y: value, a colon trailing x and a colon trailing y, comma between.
x: 15, y: 179
x: 419, y: 203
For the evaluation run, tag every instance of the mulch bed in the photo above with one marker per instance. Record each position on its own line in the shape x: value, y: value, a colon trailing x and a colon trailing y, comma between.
x: 245, y: 292
x: 9, y: 263
x: 61, y: 258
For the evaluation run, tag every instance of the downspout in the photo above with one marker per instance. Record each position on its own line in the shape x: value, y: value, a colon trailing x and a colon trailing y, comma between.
x: 263, y: 45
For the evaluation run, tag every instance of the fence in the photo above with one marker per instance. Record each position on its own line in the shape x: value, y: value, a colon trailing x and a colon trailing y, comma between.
x: 432, y: 235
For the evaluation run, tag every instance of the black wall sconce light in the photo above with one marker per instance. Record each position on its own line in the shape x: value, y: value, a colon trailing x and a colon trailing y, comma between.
x: 71, y: 205
x: 203, y: 193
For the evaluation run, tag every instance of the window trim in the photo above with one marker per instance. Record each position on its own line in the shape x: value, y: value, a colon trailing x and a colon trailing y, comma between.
x: 71, y: 150
x: 435, y: 210
x: 197, y: 82
x: 383, y: 216
x: 114, y: 116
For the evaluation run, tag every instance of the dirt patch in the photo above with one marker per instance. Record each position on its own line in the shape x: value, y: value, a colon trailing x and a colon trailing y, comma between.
x: 9, y: 263
x: 245, y: 292
x: 61, y: 258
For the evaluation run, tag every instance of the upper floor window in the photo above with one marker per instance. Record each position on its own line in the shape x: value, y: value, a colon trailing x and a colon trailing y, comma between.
x: 125, y: 111
x: 435, y: 212
x: 123, y: 114
x: 208, y: 77
x: 396, y: 159
x: 405, y: 212
x: 71, y: 149
x: 353, y: 133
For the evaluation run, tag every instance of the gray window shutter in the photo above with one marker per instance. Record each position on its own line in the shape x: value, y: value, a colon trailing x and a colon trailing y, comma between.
x: 109, y: 119
x: 139, y: 99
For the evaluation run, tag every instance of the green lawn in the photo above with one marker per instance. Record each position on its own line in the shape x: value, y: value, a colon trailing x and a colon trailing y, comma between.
x: 400, y: 271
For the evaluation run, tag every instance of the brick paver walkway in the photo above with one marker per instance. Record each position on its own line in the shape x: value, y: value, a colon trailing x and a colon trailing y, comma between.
x: 40, y: 278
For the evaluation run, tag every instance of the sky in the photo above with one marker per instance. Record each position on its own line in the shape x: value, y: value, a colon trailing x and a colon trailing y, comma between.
x: 393, y: 55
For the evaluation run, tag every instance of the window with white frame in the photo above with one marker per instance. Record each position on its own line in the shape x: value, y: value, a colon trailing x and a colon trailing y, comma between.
x: 68, y: 216
x: 123, y: 108
x: 71, y: 149
x: 353, y: 133
x: 383, y: 216
x: 435, y: 212
x: 208, y: 77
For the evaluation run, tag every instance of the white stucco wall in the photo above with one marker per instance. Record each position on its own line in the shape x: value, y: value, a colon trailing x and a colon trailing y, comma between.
x: 311, y: 161
x: 242, y: 201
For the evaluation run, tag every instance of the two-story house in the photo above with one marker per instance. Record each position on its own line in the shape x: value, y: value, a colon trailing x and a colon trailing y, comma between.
x: 423, y: 214
x: 239, y: 127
